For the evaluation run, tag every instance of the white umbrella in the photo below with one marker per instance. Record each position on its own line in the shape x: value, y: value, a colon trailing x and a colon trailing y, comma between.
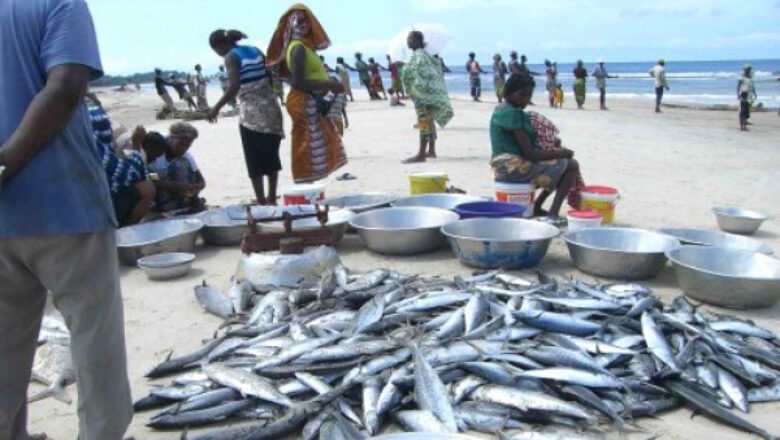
x: 436, y: 38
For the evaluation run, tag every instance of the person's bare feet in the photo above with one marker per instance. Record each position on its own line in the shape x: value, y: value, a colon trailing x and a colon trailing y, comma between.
x: 430, y: 155
x: 414, y: 159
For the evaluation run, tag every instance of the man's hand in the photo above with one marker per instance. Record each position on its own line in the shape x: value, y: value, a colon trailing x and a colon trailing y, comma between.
x: 212, y: 114
x: 137, y: 138
x: 46, y: 116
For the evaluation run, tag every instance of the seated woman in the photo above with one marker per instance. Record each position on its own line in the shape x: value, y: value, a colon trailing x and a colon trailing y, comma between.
x: 132, y: 194
x: 178, y: 181
x: 518, y: 157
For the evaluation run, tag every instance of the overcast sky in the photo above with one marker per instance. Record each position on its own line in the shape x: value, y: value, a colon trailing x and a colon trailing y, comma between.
x: 137, y: 35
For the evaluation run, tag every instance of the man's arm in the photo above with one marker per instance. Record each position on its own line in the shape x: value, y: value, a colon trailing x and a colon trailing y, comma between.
x: 46, y: 116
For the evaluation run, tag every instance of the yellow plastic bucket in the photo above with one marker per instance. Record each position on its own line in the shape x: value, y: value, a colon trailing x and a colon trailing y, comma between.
x: 426, y: 183
x: 600, y: 199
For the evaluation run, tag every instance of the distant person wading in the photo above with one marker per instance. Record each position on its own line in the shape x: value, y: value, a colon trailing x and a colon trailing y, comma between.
x: 260, y: 116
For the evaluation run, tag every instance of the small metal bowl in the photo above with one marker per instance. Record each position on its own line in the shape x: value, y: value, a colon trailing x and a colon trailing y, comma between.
x: 492, y: 243
x: 704, y: 237
x: 337, y: 222
x: 727, y: 277
x: 177, y: 235
x: 738, y: 220
x: 619, y: 253
x: 166, y: 266
x: 403, y: 231
x: 360, y: 202
x: 441, y: 201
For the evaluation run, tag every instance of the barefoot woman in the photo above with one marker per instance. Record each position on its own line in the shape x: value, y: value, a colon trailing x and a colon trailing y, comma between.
x: 317, y: 150
x: 259, y: 113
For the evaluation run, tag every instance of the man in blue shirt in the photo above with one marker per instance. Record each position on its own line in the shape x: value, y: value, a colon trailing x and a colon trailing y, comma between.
x: 56, y: 220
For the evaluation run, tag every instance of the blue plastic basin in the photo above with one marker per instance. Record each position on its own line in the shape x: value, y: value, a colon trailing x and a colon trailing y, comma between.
x: 489, y: 210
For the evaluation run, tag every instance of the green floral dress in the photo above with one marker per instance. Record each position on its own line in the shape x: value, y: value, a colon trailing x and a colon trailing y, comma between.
x: 424, y: 83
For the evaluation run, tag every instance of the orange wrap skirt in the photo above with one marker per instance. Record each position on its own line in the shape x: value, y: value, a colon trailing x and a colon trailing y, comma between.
x: 317, y: 150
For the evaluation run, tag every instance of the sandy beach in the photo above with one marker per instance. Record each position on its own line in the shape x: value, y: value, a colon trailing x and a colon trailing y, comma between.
x: 670, y: 169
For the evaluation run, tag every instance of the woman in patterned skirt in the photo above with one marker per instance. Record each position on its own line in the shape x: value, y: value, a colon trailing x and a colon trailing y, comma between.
x: 260, y: 115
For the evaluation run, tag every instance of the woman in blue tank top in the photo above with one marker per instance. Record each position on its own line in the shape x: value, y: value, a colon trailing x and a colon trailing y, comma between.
x: 260, y: 116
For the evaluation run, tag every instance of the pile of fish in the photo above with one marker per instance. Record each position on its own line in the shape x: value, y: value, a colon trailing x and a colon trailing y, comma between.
x: 493, y: 353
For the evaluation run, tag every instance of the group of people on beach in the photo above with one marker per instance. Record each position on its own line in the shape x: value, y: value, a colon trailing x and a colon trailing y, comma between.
x: 191, y: 89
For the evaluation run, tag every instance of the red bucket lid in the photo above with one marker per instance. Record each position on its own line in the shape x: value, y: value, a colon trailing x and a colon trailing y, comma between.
x: 586, y: 214
x: 599, y: 189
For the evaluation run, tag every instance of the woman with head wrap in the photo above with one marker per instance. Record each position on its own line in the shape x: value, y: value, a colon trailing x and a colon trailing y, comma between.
x: 517, y: 155
x: 317, y: 150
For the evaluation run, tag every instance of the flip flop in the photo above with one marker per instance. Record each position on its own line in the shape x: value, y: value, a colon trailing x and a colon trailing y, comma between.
x: 346, y: 176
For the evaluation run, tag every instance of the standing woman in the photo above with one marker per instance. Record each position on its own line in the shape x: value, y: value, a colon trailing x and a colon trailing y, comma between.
x: 259, y: 113
x: 551, y: 72
x: 580, y: 74
x: 317, y: 150
x: 200, y: 88
x: 342, y: 69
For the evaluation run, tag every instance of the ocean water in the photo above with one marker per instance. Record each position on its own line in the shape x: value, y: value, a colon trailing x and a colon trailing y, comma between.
x: 690, y: 82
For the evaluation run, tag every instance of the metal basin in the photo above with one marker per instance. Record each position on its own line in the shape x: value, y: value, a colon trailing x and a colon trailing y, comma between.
x: 493, y: 243
x: 738, y: 220
x: 178, y: 235
x: 360, y: 202
x: 703, y: 237
x: 727, y: 277
x: 221, y: 230
x: 238, y: 212
x: 442, y: 201
x: 402, y: 231
x: 619, y: 253
x: 337, y: 222
x: 166, y: 266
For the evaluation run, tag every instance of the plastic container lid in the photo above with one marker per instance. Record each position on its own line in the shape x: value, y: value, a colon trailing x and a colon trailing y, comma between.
x: 519, y: 187
x: 430, y: 175
x: 304, y: 189
x: 586, y: 214
x: 604, y: 190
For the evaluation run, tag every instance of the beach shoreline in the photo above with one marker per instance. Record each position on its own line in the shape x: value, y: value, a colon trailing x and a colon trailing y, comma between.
x: 670, y: 169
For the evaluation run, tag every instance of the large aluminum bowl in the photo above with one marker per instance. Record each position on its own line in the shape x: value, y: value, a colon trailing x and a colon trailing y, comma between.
x: 704, y: 237
x: 402, y: 231
x: 337, y: 222
x: 360, y: 202
x: 619, y: 253
x: 442, y: 201
x: 492, y: 243
x: 727, y: 277
x: 738, y: 220
x: 177, y: 235
x: 221, y: 230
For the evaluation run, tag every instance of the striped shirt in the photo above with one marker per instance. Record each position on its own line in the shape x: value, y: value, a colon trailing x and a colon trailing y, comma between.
x: 120, y: 172
x: 252, y: 64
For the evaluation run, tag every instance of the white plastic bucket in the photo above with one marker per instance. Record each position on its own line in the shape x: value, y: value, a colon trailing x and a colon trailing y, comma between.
x: 519, y: 193
x: 304, y: 194
x: 579, y: 220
